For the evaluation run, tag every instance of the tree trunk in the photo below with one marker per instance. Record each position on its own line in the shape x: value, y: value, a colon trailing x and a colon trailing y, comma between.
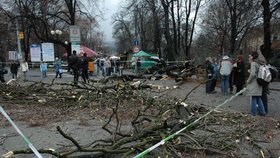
x: 170, y: 52
x: 266, y: 29
x: 157, y: 30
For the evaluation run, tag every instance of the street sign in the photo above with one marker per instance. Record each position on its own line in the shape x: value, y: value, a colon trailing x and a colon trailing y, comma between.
x: 75, y: 35
x: 21, y: 35
x: 136, y: 49
x: 136, y: 42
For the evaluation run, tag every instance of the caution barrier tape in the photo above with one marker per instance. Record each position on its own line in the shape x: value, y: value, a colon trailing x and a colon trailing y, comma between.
x: 21, y: 134
x: 189, y: 125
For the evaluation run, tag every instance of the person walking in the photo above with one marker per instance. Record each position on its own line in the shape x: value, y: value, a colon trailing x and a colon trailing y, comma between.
x: 75, y: 66
x: 225, y: 70
x: 254, y: 89
x: 43, y: 69
x: 57, y: 67
x: 84, y: 67
x: 24, y: 68
x: 14, y: 69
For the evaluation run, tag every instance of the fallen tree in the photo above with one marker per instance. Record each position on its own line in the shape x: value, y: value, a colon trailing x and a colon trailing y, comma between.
x: 150, y: 116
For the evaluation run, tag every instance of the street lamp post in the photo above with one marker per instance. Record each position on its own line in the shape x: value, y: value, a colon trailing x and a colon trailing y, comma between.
x: 57, y: 33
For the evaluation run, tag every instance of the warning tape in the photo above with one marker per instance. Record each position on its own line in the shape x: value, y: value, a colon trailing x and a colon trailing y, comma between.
x: 189, y: 125
x: 21, y: 134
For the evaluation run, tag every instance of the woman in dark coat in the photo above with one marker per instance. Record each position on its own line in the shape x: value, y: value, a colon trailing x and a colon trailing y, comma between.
x: 209, y: 75
x: 239, y: 74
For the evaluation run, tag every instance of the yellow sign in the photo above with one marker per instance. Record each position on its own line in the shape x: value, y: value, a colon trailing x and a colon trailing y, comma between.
x: 21, y: 35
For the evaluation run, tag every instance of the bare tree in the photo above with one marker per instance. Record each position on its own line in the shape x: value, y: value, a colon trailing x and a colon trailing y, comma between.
x: 268, y: 10
x: 38, y: 18
x: 229, y: 22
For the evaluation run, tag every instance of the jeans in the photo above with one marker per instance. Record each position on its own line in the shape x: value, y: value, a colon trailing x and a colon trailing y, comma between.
x: 225, y: 83
x: 57, y: 73
x: 44, y: 74
x: 208, y: 86
x: 256, y: 100
x: 25, y: 76
x: 14, y: 75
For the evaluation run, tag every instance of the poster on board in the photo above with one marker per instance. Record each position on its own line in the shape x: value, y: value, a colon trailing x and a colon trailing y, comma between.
x: 48, y: 51
x: 13, y: 55
x: 35, y: 52
x: 75, y: 46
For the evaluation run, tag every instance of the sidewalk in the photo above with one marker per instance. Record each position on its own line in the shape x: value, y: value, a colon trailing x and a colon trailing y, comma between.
x: 34, y: 74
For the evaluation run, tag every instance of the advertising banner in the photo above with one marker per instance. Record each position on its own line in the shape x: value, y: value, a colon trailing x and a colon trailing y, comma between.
x: 35, y: 52
x: 13, y: 55
x: 48, y: 51
x: 75, y: 46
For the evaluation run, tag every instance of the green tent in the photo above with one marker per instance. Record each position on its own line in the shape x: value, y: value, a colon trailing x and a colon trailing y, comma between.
x: 145, y: 62
x: 141, y: 54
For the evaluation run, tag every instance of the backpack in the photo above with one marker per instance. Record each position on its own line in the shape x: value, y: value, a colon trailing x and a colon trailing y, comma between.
x: 264, y: 75
x: 274, y: 72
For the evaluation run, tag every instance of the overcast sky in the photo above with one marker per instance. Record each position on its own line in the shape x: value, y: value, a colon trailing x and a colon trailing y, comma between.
x: 110, y: 7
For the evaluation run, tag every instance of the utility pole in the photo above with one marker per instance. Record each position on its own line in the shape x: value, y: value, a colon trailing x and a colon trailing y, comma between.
x: 19, y: 54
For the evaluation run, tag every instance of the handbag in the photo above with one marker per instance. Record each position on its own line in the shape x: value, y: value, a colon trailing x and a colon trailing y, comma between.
x: 60, y: 71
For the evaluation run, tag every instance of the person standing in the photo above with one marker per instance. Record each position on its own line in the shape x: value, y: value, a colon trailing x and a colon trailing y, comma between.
x: 91, y: 67
x: 84, y: 67
x: 225, y: 70
x: 239, y: 73
x: 215, y: 75
x: 265, y: 88
x: 97, y: 61
x: 57, y: 67
x: 43, y: 68
x: 138, y: 65
x: 2, y: 66
x: 102, y: 66
x: 209, y: 74
x: 231, y: 76
x: 75, y: 66
x: 107, y: 65
x: 14, y: 69
x: 24, y: 68
x: 254, y: 89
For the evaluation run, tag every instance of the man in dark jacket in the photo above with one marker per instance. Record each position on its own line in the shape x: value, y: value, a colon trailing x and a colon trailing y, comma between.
x: 85, y: 68
x: 14, y: 69
x: 75, y: 66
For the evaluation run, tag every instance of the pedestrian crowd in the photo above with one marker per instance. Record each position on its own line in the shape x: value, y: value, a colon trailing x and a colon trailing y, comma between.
x: 231, y: 73
x: 108, y: 66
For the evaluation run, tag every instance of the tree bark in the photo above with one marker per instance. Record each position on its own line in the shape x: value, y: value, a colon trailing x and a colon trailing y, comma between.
x: 266, y: 29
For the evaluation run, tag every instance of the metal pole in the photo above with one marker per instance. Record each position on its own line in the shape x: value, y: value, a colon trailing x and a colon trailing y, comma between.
x: 19, y: 54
